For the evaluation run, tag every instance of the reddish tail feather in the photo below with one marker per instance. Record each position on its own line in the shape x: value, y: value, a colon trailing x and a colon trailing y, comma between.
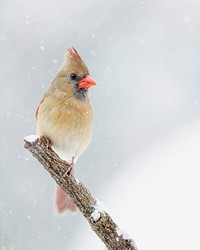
x: 63, y: 202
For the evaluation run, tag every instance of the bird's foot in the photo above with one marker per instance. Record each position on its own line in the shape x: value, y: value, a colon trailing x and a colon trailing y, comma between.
x: 70, y: 169
x: 46, y: 141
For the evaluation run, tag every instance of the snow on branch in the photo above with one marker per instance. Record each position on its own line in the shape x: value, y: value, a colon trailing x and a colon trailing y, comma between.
x: 99, y: 220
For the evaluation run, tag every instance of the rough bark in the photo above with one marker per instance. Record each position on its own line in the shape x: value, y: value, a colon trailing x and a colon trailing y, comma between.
x: 99, y: 220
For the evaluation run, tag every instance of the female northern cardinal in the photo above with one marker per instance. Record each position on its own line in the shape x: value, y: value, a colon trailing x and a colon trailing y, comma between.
x: 65, y: 116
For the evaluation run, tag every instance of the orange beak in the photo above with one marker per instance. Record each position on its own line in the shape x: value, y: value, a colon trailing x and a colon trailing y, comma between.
x: 86, y: 82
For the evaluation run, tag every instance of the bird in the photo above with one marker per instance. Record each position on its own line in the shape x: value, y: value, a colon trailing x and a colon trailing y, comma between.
x: 65, y: 116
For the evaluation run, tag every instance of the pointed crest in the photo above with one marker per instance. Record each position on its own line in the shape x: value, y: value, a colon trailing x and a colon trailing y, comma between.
x: 72, y: 53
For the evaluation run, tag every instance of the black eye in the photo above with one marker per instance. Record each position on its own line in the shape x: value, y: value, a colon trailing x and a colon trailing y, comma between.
x: 73, y: 76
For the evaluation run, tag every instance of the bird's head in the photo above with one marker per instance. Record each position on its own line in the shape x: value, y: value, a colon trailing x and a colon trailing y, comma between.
x: 73, y: 76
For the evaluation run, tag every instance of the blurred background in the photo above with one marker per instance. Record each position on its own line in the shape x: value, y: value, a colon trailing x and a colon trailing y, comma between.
x: 143, y: 162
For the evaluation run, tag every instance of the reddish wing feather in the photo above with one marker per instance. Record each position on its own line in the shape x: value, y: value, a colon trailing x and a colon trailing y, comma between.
x: 36, y: 112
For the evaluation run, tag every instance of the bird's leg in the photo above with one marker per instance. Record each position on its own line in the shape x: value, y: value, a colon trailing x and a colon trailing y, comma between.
x: 70, y: 169
x: 71, y: 166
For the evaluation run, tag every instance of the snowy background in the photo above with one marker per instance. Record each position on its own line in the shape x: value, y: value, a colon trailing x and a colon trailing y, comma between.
x: 144, y: 159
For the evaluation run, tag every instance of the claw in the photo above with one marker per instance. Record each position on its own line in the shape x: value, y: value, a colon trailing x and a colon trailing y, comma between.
x: 46, y: 141
x: 70, y: 169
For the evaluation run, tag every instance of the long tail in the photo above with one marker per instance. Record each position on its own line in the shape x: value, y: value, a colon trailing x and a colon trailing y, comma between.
x: 63, y: 202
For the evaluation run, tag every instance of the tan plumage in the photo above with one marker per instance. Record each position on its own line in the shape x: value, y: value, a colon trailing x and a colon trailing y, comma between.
x: 68, y: 123
x: 65, y: 115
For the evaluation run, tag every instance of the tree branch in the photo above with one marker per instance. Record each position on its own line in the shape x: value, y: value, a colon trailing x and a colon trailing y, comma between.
x: 99, y: 220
